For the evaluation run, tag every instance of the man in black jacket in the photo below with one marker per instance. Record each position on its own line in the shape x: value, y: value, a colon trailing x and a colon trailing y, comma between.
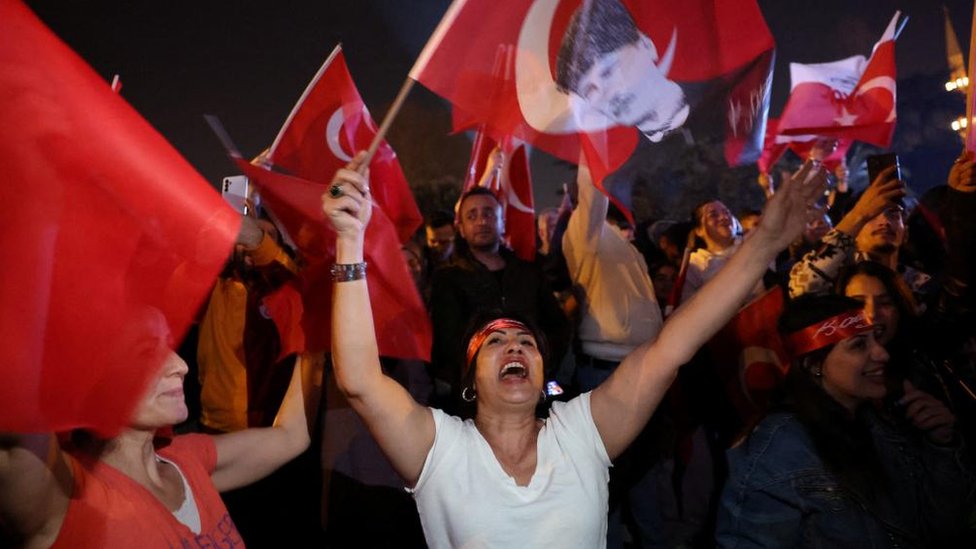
x: 483, y: 276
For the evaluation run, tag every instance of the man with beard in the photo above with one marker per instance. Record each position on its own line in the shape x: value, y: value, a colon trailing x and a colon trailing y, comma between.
x: 873, y: 230
x: 481, y: 276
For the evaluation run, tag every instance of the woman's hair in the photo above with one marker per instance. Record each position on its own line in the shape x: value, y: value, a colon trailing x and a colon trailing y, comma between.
x: 698, y: 211
x: 698, y: 222
x: 893, y: 283
x: 481, y: 320
x: 844, y: 443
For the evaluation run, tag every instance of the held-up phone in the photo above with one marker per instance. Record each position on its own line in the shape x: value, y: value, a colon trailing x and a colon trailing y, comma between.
x: 235, y: 191
x: 553, y: 388
x: 878, y: 162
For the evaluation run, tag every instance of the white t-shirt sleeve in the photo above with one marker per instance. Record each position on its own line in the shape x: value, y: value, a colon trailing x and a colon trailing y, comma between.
x: 572, y: 423
x: 447, y: 431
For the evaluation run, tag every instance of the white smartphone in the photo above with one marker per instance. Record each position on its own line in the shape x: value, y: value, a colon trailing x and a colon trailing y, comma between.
x: 235, y: 190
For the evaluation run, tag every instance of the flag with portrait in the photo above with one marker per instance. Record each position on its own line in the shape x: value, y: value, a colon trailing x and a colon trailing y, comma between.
x: 600, y: 76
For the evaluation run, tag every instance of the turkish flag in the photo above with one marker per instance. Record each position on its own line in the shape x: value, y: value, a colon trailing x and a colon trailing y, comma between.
x: 749, y: 355
x: 773, y: 149
x: 328, y: 125
x: 113, y: 240
x: 512, y: 186
x: 402, y: 326
x: 852, y: 98
x: 775, y: 145
x: 679, y: 59
x: 286, y: 308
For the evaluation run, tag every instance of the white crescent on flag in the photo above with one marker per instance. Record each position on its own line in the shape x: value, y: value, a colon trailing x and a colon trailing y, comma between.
x: 332, y: 129
x: 543, y: 106
x: 515, y: 202
x: 885, y: 83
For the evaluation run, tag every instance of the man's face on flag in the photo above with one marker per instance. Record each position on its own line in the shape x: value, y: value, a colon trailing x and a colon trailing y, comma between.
x: 627, y: 86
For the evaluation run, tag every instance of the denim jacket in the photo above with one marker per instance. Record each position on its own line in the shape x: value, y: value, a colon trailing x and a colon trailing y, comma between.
x: 780, y: 493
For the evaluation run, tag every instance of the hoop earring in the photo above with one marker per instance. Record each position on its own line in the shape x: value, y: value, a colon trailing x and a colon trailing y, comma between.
x: 468, y: 394
x: 818, y: 370
x: 544, y: 395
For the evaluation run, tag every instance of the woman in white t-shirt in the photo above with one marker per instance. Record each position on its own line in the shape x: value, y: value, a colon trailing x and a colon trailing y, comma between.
x: 507, y: 478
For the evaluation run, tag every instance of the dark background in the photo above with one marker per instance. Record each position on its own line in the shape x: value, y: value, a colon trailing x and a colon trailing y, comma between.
x: 248, y: 62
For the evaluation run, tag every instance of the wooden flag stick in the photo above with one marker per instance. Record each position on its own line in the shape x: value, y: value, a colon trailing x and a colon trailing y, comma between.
x: 388, y: 120
x: 970, y: 144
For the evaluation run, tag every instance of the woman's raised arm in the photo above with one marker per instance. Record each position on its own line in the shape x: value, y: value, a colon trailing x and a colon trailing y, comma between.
x: 35, y: 484
x: 403, y: 428
x: 622, y: 405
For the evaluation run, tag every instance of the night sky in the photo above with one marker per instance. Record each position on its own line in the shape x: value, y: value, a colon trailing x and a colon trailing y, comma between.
x: 248, y: 62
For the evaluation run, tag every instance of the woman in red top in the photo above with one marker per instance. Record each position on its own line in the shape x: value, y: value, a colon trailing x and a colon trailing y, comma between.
x: 139, y: 489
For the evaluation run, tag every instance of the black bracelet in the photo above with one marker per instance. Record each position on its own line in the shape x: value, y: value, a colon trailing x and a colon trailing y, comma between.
x: 347, y: 272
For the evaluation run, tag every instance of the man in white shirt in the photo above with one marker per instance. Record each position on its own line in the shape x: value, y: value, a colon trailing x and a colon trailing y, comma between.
x: 618, y: 311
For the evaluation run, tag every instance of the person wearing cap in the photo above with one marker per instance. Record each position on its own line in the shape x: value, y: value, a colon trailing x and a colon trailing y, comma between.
x: 507, y: 478
x: 827, y: 467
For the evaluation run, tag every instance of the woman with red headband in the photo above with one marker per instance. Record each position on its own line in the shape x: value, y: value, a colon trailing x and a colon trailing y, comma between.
x: 828, y: 467
x: 506, y: 478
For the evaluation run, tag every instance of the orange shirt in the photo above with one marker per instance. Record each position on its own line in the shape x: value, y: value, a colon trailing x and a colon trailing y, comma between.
x: 110, y: 510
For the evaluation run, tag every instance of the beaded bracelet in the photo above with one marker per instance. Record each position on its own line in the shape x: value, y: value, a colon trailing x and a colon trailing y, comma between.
x: 347, y: 272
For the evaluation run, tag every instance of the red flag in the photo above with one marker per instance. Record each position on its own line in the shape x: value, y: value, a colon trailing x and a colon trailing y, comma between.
x: 481, y: 150
x: 519, y: 206
x: 105, y: 226
x: 402, y: 327
x: 286, y: 309
x: 328, y: 125
x: 775, y: 145
x: 852, y: 98
x: 773, y: 149
x: 749, y: 355
x: 512, y: 185
x: 562, y: 95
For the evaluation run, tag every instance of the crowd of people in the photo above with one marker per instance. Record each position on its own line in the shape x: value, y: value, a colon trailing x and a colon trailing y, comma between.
x: 567, y: 401
x: 587, y: 398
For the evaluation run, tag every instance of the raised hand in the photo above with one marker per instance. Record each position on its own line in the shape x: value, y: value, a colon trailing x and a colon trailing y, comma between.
x: 880, y: 195
x: 793, y: 206
x: 962, y: 176
x: 347, y: 203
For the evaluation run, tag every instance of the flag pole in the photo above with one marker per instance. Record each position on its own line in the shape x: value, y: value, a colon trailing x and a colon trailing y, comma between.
x: 970, y: 145
x: 388, y: 120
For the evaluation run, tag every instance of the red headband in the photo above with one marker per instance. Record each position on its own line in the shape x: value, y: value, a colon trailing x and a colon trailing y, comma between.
x: 479, y: 338
x: 827, y: 332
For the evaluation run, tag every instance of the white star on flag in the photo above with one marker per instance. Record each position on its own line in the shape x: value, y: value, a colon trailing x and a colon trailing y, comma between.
x: 845, y: 118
